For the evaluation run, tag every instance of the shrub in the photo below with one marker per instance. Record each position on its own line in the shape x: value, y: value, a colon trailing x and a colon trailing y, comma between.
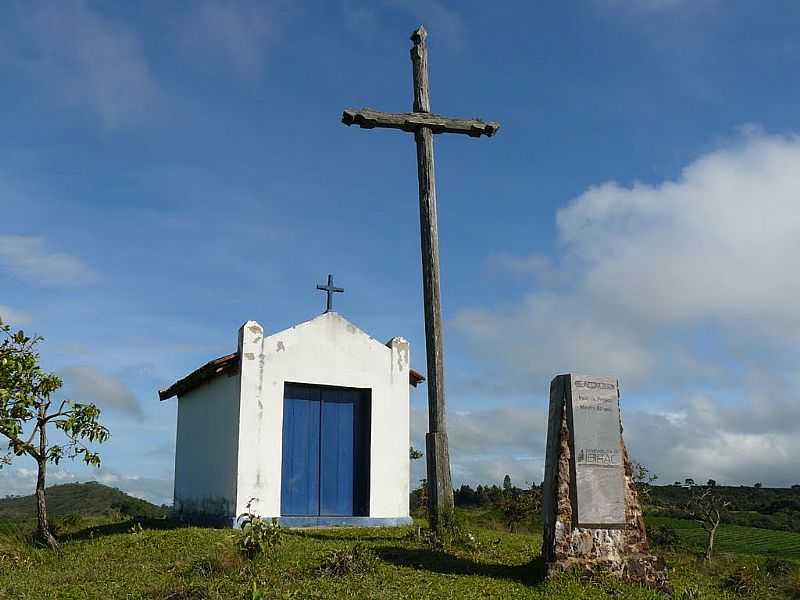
x: 777, y: 567
x: 663, y: 536
x: 258, y: 535
x: 353, y: 560
x: 744, y: 580
x: 520, y: 505
x: 71, y: 522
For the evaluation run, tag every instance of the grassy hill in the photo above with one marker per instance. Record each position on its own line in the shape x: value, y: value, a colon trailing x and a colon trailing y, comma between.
x: 85, y: 499
x: 115, y: 560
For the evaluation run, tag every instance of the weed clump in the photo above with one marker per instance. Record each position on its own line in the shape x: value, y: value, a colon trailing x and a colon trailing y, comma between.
x: 11, y: 558
x: 352, y: 560
x: 663, y: 536
x: 744, y: 580
x: 258, y: 535
x: 691, y: 592
x: 777, y: 567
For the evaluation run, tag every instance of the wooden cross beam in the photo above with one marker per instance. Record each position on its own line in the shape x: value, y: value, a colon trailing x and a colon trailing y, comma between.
x: 423, y: 124
x: 411, y: 122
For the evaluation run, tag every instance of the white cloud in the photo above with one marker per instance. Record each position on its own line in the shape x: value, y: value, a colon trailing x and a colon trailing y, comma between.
x: 683, y: 289
x: 28, y: 258
x: 243, y: 31
x: 90, y: 385
x: 719, y: 243
x: 88, y: 60
x: 12, y: 316
x: 485, y: 445
x: 18, y: 480
x: 708, y: 439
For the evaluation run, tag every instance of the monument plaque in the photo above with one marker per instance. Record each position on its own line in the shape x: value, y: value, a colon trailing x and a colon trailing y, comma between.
x: 593, y: 416
x: 592, y: 518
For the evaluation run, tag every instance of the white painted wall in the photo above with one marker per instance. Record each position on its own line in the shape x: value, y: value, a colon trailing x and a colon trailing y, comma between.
x: 328, y: 350
x: 206, y: 448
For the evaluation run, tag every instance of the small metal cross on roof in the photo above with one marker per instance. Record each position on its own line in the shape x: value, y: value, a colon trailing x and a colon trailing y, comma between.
x: 330, y: 289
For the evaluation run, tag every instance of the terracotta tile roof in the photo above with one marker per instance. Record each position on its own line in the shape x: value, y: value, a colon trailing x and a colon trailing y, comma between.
x: 224, y: 365
x: 229, y: 365
x: 415, y: 377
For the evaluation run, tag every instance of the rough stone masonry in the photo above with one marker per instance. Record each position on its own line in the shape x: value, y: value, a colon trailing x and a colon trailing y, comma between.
x: 592, y: 518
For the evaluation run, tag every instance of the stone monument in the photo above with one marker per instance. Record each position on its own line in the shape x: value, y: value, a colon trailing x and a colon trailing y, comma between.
x: 592, y: 518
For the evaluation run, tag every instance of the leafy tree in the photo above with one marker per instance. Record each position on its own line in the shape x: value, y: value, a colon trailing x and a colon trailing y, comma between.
x: 689, y: 482
x: 507, y: 483
x: 757, y: 485
x: 707, y: 507
x: 643, y: 480
x: 414, y: 454
x: 711, y: 483
x: 26, y: 411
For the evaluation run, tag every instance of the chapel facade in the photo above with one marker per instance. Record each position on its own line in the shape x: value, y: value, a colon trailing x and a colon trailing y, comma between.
x: 311, y: 423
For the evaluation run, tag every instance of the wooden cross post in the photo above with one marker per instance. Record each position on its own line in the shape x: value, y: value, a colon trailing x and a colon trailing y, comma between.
x: 423, y: 125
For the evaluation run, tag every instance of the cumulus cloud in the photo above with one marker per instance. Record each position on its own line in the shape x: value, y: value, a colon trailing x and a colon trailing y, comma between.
x: 645, y: 265
x: 89, y: 60
x: 12, y: 316
x: 684, y: 289
x: 29, y: 258
x: 485, y: 445
x: 107, y: 392
x: 704, y: 438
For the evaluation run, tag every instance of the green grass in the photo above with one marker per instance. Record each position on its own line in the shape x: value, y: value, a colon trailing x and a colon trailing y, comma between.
x: 735, y: 539
x: 108, y: 561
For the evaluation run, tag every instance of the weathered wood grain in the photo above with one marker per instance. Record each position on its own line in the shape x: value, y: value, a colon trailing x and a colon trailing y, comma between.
x: 419, y: 63
x: 424, y: 125
x: 429, y: 245
x: 370, y: 119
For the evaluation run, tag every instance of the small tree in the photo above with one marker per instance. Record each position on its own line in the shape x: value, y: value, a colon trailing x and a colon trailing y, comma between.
x: 414, y: 454
x: 507, y: 483
x: 707, y: 507
x: 711, y: 483
x: 643, y: 480
x: 26, y: 411
x: 519, y: 505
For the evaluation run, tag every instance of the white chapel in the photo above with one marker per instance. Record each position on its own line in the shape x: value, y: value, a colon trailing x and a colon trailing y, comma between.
x: 312, y: 422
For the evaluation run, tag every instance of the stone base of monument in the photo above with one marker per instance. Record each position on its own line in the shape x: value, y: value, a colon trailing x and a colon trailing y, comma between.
x: 592, y: 518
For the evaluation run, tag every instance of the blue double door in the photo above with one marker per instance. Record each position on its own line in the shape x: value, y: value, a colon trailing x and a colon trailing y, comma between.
x: 325, y: 469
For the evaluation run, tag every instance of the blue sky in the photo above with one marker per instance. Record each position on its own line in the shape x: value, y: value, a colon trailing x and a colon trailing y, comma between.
x: 168, y: 172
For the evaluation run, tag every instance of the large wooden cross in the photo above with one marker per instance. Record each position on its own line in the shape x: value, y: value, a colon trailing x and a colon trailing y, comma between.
x: 423, y: 124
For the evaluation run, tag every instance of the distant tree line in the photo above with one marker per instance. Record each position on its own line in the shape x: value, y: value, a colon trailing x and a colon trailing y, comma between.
x: 516, y: 507
x: 750, y: 506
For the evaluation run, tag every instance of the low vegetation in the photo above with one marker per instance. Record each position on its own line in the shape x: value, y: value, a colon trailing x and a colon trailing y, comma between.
x: 105, y: 558
x: 115, y: 546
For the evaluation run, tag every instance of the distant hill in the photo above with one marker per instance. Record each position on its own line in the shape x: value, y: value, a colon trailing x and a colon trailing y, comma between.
x: 766, y: 508
x: 87, y: 499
